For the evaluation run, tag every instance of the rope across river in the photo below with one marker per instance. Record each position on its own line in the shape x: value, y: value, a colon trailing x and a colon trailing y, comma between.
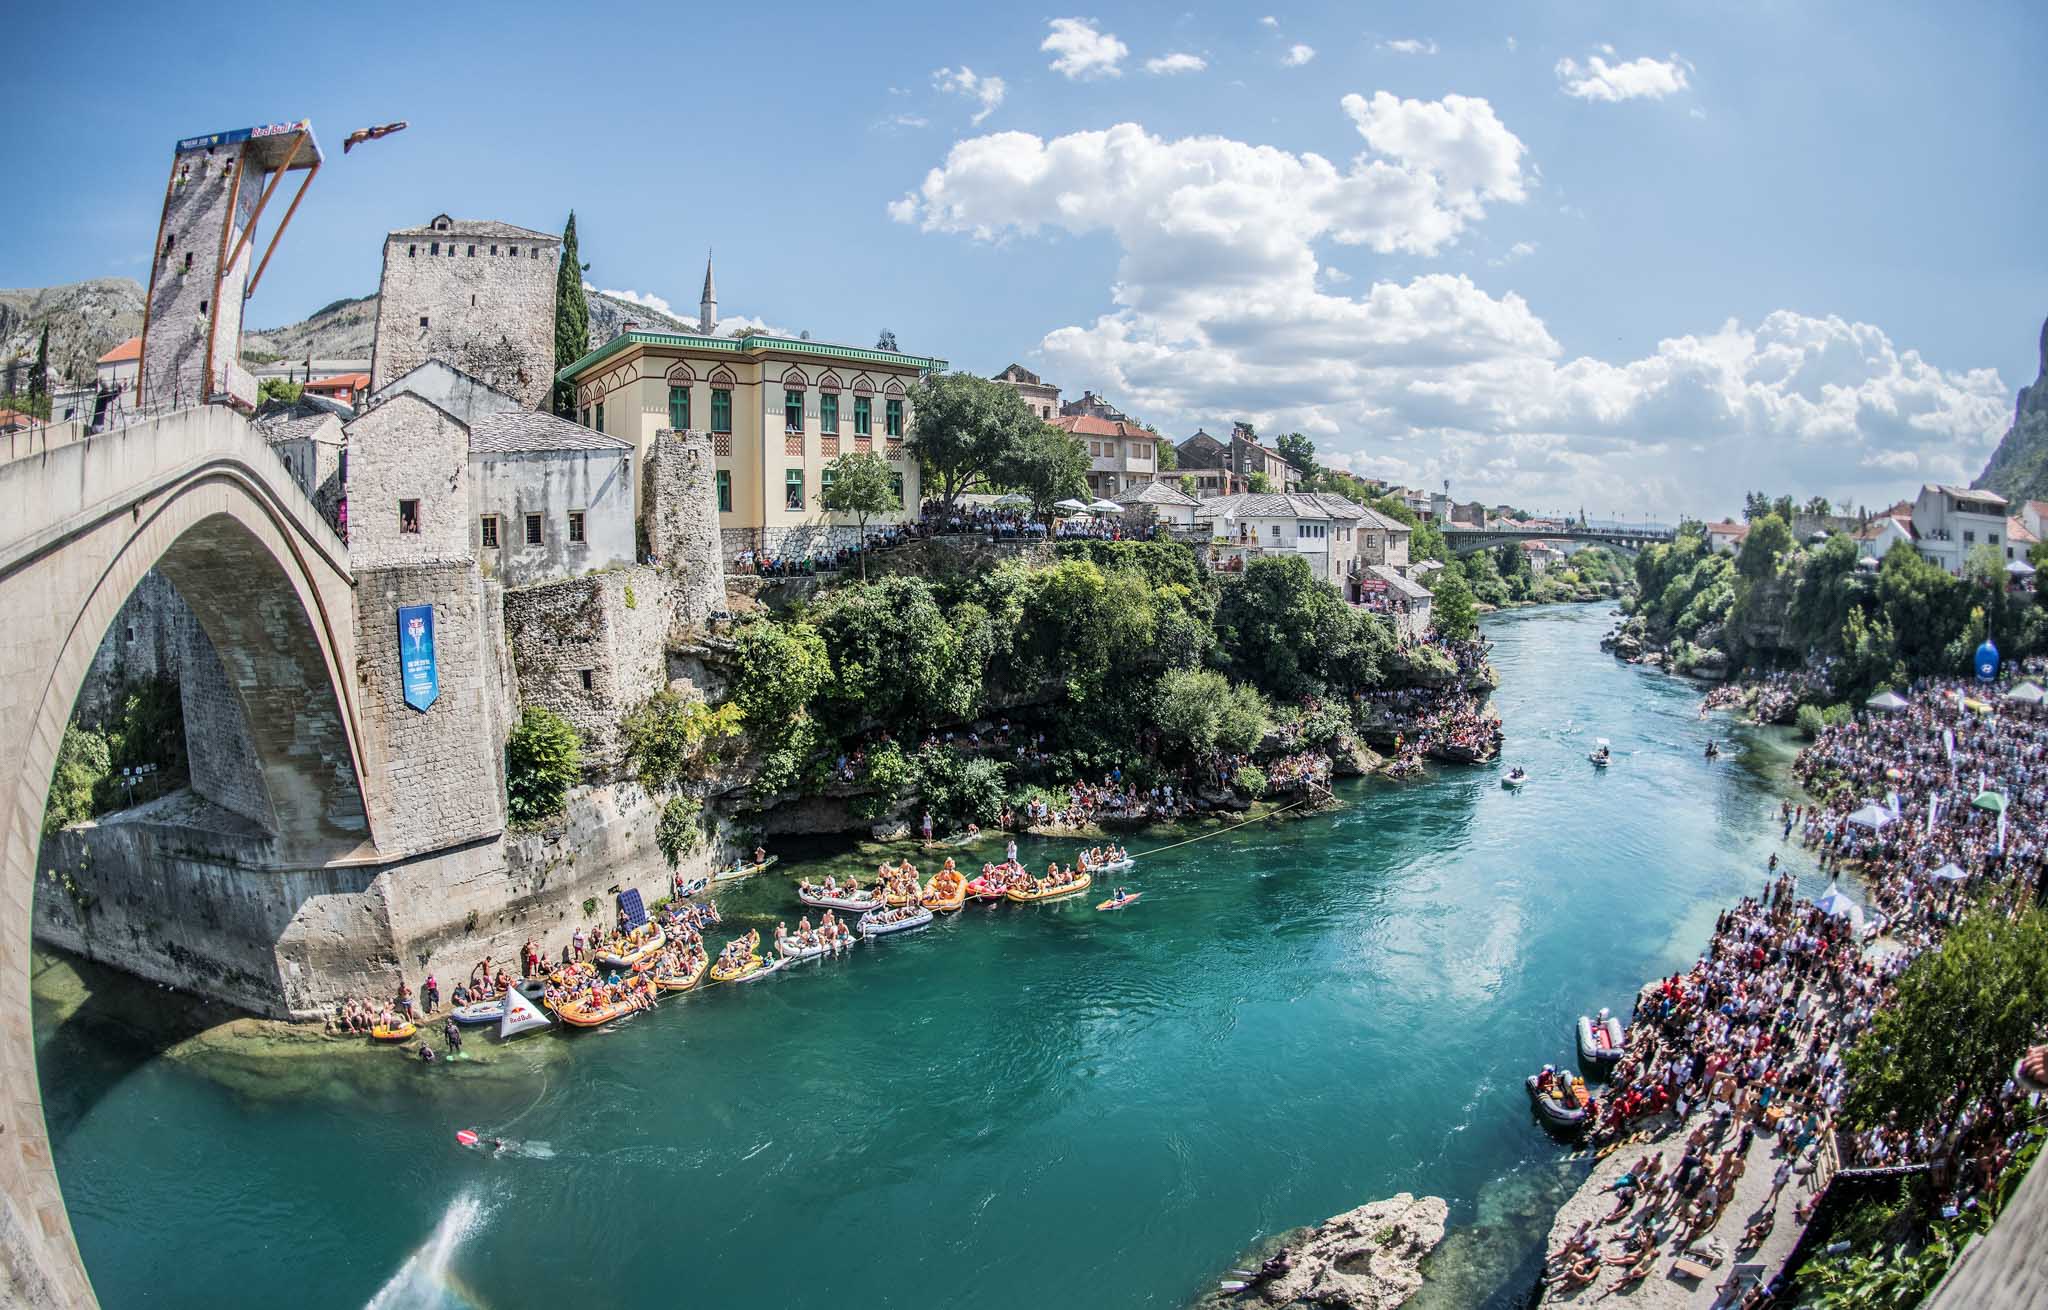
x: 1220, y: 831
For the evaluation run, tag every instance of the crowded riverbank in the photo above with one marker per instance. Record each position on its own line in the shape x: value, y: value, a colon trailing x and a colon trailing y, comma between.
x: 1011, y: 1075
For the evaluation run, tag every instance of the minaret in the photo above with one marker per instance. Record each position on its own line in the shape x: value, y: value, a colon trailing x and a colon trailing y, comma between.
x: 707, y: 308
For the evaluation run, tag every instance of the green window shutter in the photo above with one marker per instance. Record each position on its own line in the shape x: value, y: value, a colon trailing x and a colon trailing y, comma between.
x: 721, y: 410
x: 725, y: 491
x: 679, y: 408
x: 793, y: 410
x: 828, y: 413
x: 863, y: 416
x: 600, y: 416
x: 892, y: 418
x: 793, y: 489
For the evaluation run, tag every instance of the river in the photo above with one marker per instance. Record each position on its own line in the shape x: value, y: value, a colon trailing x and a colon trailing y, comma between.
x: 1021, y: 1106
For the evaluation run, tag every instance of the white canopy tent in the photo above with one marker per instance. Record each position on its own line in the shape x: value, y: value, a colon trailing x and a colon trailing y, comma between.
x: 1887, y: 700
x: 1071, y: 506
x: 1013, y: 501
x: 2019, y: 568
x: 1833, y: 902
x: 2027, y: 693
x: 1950, y: 872
x: 1872, y: 816
x: 1101, y: 506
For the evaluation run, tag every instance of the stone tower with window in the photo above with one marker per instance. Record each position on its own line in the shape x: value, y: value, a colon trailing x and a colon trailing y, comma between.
x: 221, y: 186
x: 477, y: 295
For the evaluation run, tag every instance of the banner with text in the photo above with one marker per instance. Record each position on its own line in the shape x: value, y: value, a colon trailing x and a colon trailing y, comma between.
x: 416, y: 655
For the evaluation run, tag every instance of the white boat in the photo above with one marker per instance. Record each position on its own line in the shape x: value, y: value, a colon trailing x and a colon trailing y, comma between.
x: 743, y: 870
x: 1601, y: 754
x: 492, y: 1010
x: 818, y: 899
x: 1515, y: 777
x: 521, y: 1015
x: 762, y: 972
x: 791, y: 950
x: 872, y: 926
x: 1113, y: 866
x: 685, y: 890
x: 1601, y: 1040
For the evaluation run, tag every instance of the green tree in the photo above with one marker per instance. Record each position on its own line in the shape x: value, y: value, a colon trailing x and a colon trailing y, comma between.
x: 1169, y: 456
x: 776, y: 669
x: 2037, y: 555
x: 1452, y: 612
x: 543, y: 759
x: 1984, y: 989
x: 39, y: 379
x: 572, y: 317
x: 1985, y: 565
x: 84, y: 762
x: 1299, y: 451
x: 283, y: 390
x: 1768, y: 541
x: 893, y: 657
x: 1047, y: 465
x: 668, y: 737
x: 963, y: 428
x: 676, y: 834
x: 1259, y: 483
x: 1186, y: 483
x: 1199, y: 711
x: 860, y: 483
x: 1290, y: 634
x: 1818, y: 505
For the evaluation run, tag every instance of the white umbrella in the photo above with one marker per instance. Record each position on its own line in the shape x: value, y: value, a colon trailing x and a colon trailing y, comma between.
x: 1950, y: 872
x: 2029, y: 693
x: 1872, y: 816
x: 2019, y: 568
x: 1013, y: 501
x: 1832, y: 902
x: 1101, y: 506
x: 1886, y: 700
x: 1072, y: 506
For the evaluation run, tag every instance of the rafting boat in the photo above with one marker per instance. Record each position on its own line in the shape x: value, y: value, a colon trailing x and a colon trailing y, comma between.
x: 946, y: 891
x: 819, y: 899
x: 743, y: 870
x: 1074, y: 888
x: 583, y: 1013
x: 1601, y: 1040
x: 1118, y: 902
x: 492, y: 1010
x: 989, y: 887
x: 631, y: 956
x: 767, y: 967
x: 872, y: 925
x: 688, y: 887
x: 1602, y: 754
x: 569, y: 975
x: 403, y: 1032
x: 1551, y: 1107
x: 792, y: 951
x: 721, y: 973
x: 1113, y: 866
x: 1515, y: 777
x: 683, y: 982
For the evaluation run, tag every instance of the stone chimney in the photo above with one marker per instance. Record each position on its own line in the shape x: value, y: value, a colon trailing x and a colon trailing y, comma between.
x: 627, y: 326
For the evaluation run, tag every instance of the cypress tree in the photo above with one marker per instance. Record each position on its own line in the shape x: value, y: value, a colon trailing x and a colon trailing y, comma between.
x: 39, y: 381
x: 572, y: 318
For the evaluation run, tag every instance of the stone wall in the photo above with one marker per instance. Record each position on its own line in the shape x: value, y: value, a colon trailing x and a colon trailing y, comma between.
x: 190, y: 298
x: 433, y: 777
x: 408, y: 449
x: 220, y: 753
x: 553, y: 483
x: 145, y: 642
x: 492, y: 316
x: 591, y: 649
x: 679, y: 519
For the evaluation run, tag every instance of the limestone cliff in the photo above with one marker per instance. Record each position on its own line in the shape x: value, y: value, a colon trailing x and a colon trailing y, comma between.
x: 86, y: 320
x: 2019, y: 467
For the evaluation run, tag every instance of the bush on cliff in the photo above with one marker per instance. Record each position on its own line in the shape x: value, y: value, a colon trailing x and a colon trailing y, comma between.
x: 677, y: 833
x: 669, y: 739
x: 1199, y: 711
x: 543, y: 759
x: 1291, y: 635
x: 1452, y: 612
x: 83, y: 764
x: 957, y: 788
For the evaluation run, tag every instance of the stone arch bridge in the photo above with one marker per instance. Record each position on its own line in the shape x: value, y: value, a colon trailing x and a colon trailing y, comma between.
x: 1469, y: 540
x: 199, y: 496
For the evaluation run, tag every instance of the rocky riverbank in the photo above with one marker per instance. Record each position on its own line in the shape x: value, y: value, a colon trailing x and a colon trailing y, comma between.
x: 1364, y: 1259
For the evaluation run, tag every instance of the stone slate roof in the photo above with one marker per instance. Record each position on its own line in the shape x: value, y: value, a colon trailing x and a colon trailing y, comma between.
x: 1294, y: 505
x: 1398, y: 584
x: 526, y: 432
x: 302, y: 418
x: 475, y: 227
x: 1156, y: 493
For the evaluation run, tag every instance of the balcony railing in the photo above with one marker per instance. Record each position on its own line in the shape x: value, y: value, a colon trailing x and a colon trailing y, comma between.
x: 721, y: 443
x: 829, y: 444
x: 793, y: 443
x: 863, y: 443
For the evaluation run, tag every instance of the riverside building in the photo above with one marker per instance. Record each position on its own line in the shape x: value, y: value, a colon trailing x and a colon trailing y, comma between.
x: 777, y: 412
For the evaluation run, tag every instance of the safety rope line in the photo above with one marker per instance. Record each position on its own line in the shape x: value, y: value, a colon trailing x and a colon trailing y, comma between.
x: 1221, y: 831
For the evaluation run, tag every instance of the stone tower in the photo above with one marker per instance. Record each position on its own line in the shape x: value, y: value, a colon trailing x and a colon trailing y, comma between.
x: 219, y: 188
x: 707, y: 306
x: 679, y: 516
x: 475, y: 294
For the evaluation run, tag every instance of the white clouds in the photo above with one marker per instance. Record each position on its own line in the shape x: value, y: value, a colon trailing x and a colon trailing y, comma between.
x: 649, y: 300
x: 904, y: 120
x: 1637, y: 79
x: 1519, y: 250
x: 1221, y: 307
x: 1177, y: 62
x: 986, y: 91
x: 1411, y: 46
x: 1082, y: 52
x: 1297, y: 55
x: 1269, y: 21
x: 1513, y: 45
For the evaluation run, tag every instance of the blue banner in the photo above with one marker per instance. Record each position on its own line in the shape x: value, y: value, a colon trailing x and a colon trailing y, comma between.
x: 416, y: 655
x: 1987, y: 661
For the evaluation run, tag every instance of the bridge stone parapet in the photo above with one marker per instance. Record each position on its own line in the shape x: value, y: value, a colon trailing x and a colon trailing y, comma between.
x: 1468, y: 540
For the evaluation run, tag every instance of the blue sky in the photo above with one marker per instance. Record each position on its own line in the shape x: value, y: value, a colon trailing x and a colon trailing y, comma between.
x: 1636, y: 256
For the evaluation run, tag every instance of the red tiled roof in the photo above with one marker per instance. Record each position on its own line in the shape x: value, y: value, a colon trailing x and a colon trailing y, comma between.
x: 1728, y: 528
x: 340, y: 382
x: 121, y: 354
x: 1087, y: 425
x: 2017, y: 530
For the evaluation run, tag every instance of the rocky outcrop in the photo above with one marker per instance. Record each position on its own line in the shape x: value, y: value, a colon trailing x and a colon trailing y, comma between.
x: 1364, y: 1259
x: 2019, y: 467
x: 86, y: 320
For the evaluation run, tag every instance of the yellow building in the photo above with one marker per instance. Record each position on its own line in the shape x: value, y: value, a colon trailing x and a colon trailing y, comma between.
x: 777, y: 412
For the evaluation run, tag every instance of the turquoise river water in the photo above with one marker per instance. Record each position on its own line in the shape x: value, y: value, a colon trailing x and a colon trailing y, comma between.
x: 1022, y: 1106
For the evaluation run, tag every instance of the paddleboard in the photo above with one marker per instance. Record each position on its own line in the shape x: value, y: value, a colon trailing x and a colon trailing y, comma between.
x: 1114, y: 904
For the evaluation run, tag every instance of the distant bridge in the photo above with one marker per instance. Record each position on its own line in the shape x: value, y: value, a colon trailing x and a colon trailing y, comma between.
x: 1464, y: 540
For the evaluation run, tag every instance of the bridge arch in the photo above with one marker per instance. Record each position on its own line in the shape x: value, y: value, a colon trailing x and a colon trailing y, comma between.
x: 198, y: 495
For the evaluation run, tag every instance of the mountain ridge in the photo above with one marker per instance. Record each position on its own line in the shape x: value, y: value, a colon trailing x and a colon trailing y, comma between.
x: 2018, y: 469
